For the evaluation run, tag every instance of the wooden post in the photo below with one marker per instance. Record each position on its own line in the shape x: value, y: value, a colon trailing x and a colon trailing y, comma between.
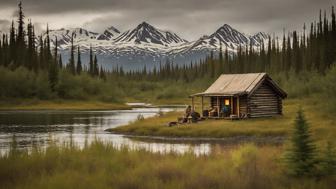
x: 202, y: 107
x: 192, y: 103
x: 217, y: 106
x: 238, y: 106
x: 231, y: 104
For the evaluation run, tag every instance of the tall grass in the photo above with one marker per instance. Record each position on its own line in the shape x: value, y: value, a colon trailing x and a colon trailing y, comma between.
x: 101, y: 165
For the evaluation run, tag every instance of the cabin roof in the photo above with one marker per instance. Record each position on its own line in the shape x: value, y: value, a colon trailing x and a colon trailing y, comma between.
x: 239, y: 84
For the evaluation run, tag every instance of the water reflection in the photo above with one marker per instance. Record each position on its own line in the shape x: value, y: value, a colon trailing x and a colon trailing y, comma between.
x: 39, y: 127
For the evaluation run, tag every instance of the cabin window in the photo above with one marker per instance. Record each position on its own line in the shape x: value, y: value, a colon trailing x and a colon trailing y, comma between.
x: 227, y: 102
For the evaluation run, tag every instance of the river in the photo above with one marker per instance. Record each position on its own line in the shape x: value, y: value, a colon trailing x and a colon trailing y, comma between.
x: 40, y: 127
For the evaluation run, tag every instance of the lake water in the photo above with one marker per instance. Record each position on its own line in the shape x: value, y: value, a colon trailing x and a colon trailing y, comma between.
x: 39, y: 127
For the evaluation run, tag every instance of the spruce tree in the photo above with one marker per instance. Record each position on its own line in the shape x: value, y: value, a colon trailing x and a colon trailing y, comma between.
x: 333, y: 21
x: 31, y: 48
x: 91, y: 62
x: 34, y: 50
x: 72, y: 57
x: 47, y: 51
x: 333, y: 35
x: 60, y: 62
x: 53, y: 71
x: 56, y: 51
x: 79, y: 62
x: 20, y: 39
x: 300, y: 157
x: 95, y: 66
x: 288, y: 54
x: 41, y: 53
x: 53, y: 75
x: 5, y: 47
x: 221, y: 62
x: 21, y: 33
x: 283, y: 58
x: 12, y: 45
x: 1, y: 53
x: 102, y: 74
x: 212, y: 65
x: 269, y: 52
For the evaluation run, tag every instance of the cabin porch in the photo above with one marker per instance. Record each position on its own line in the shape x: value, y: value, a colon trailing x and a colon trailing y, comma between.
x: 222, y: 107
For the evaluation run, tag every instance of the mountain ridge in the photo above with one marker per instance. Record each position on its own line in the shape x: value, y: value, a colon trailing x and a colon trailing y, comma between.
x: 146, y: 44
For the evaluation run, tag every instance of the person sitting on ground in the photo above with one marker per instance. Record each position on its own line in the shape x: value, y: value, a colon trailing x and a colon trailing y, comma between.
x: 187, y: 112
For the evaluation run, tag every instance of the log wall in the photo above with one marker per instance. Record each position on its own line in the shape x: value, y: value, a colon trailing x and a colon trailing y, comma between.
x: 243, y: 105
x: 264, y: 102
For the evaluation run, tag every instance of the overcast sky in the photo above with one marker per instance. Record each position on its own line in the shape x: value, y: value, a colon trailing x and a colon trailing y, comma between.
x: 188, y: 18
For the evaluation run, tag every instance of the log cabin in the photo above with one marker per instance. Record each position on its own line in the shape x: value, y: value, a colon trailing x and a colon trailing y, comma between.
x: 239, y: 96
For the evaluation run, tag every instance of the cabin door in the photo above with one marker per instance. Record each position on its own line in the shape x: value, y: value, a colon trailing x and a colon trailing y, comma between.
x: 234, y: 106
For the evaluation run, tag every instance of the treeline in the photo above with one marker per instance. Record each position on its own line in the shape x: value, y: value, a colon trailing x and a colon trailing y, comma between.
x: 312, y: 51
x: 23, y: 49
x: 35, y: 66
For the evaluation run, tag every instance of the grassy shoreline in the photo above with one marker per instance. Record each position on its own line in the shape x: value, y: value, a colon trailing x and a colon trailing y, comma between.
x: 322, y: 124
x: 101, y: 165
x: 31, y: 104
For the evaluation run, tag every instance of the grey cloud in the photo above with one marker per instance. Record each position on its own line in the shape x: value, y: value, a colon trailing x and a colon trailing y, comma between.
x: 189, y: 18
x: 4, y: 25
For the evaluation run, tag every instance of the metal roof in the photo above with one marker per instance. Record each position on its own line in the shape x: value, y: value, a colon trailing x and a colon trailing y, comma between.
x: 238, y: 84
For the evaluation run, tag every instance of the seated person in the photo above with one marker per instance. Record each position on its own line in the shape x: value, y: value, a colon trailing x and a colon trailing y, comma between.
x: 187, y: 112
x: 213, y: 111
x: 195, y: 116
x: 226, y: 110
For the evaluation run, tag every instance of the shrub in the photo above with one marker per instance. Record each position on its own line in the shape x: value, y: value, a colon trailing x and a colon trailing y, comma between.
x: 147, y: 86
x: 21, y: 83
x: 69, y: 87
x: 171, y: 92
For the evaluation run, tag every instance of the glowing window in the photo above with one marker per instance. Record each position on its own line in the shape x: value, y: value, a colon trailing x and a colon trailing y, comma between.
x: 227, y: 102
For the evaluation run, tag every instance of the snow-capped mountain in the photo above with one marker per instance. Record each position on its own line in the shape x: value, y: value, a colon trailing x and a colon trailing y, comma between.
x: 109, y: 34
x: 145, y: 33
x: 229, y: 38
x: 258, y: 38
x: 148, y: 45
x: 64, y: 36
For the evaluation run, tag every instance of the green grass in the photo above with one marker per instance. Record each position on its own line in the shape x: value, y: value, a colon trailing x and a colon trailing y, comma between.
x: 103, y: 166
x: 322, y: 124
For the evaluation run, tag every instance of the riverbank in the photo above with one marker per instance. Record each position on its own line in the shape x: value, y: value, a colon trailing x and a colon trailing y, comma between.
x: 280, y: 126
x: 33, y: 104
